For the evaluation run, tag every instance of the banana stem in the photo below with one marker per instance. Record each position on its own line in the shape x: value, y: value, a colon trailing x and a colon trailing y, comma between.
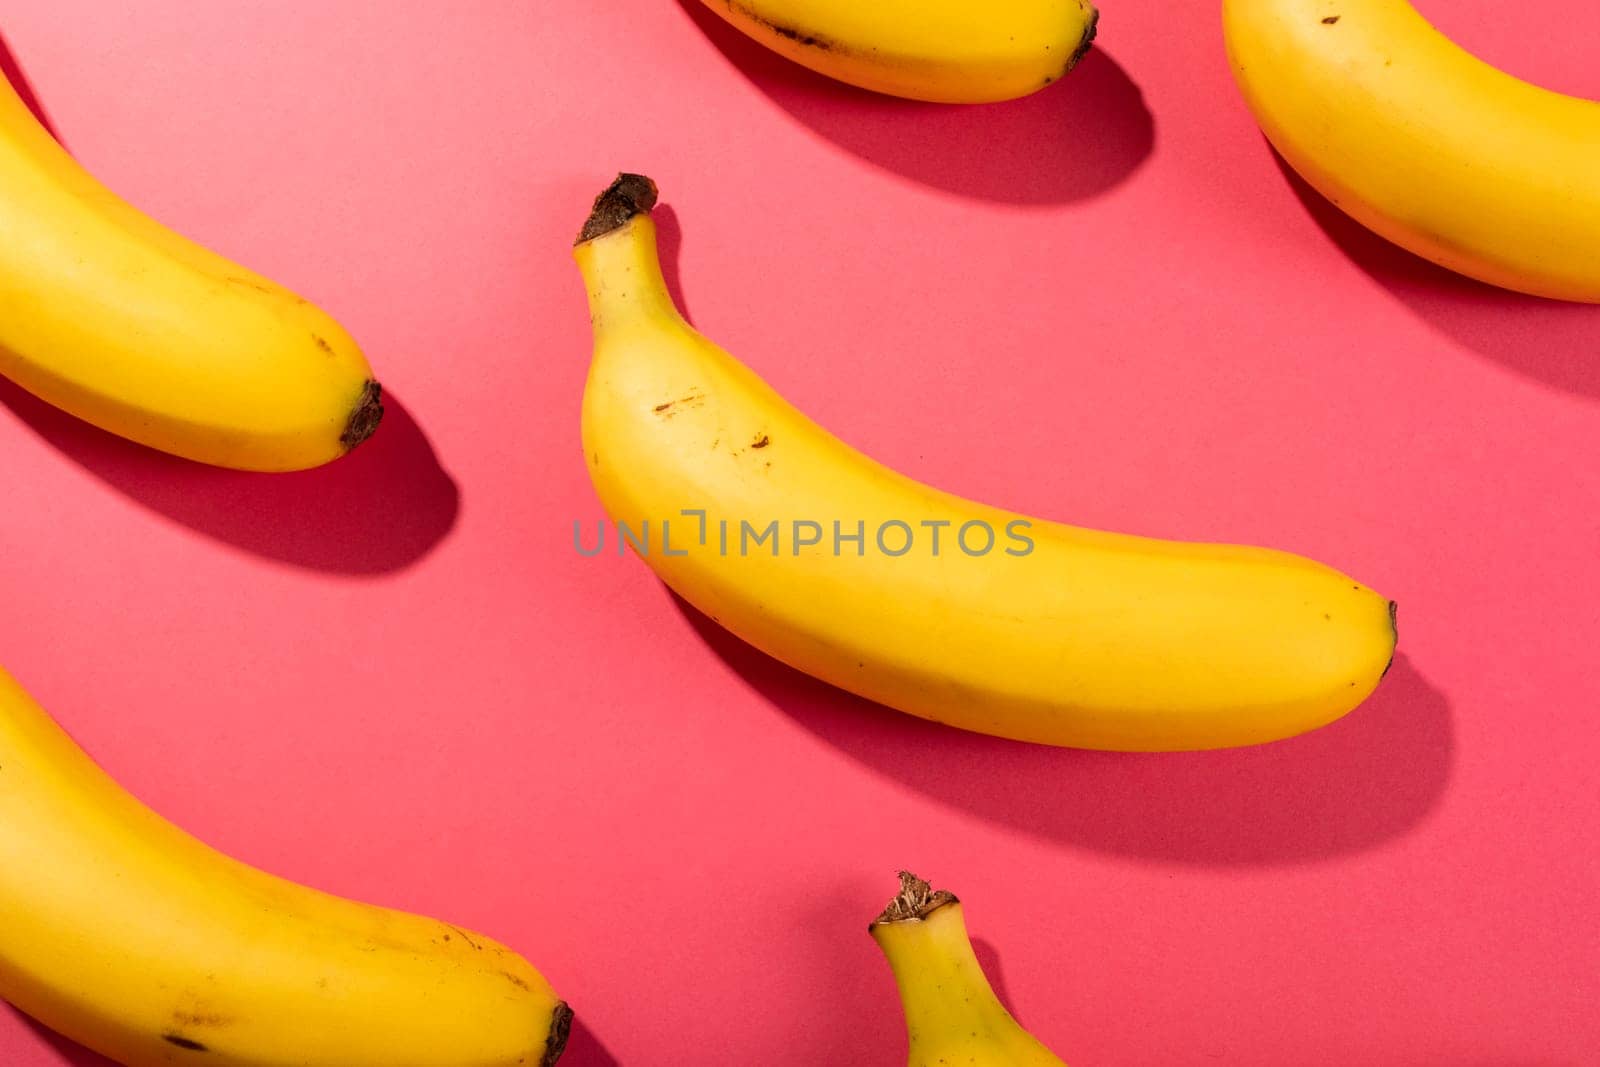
x: 616, y: 252
x: 942, y: 985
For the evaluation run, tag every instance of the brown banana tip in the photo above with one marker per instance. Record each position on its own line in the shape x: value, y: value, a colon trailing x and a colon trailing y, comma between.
x: 555, y: 1043
x: 364, y: 419
x: 1087, y: 43
x: 629, y: 195
x: 1394, y: 634
x: 916, y: 901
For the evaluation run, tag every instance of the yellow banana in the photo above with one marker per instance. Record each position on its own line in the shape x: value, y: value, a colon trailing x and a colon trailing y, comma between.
x: 918, y: 599
x: 128, y: 935
x: 1424, y: 143
x: 950, y: 51
x: 952, y: 1014
x: 109, y: 315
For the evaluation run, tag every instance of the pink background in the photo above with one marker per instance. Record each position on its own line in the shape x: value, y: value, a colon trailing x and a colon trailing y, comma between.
x: 394, y: 679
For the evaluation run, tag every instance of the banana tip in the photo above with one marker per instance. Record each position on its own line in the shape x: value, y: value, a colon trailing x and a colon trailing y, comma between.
x: 1394, y: 635
x: 1090, y: 29
x: 364, y: 419
x: 560, y: 1030
x: 627, y: 196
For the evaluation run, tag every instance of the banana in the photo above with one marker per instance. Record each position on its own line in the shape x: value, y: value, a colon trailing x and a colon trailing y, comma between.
x: 920, y: 600
x: 952, y: 1013
x: 131, y: 937
x: 948, y: 51
x: 109, y: 315
x: 1424, y: 143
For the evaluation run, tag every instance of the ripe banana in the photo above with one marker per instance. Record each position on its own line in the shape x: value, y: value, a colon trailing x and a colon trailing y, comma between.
x: 129, y: 936
x: 1065, y: 636
x: 952, y: 1014
x: 949, y: 51
x: 109, y: 315
x: 1424, y: 143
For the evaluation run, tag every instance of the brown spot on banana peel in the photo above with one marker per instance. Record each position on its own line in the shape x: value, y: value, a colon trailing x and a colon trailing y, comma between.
x: 627, y: 196
x: 364, y: 419
x: 804, y: 38
x: 182, y: 1042
x: 664, y: 409
x: 560, y: 1029
x: 916, y: 901
x: 1331, y: 20
x: 465, y: 937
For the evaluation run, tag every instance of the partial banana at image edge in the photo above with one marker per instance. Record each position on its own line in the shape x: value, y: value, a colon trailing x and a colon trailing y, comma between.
x: 1093, y: 640
x: 1424, y: 143
x: 941, y: 51
x: 128, y: 325
x: 951, y: 1011
x: 134, y: 939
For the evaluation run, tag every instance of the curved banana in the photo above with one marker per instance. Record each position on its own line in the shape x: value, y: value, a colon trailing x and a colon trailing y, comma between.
x: 129, y: 936
x: 952, y: 1014
x: 948, y: 51
x: 109, y: 315
x: 1424, y: 143
x: 920, y: 600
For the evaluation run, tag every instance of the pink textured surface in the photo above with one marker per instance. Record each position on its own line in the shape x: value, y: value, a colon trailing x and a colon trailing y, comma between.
x: 394, y: 679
